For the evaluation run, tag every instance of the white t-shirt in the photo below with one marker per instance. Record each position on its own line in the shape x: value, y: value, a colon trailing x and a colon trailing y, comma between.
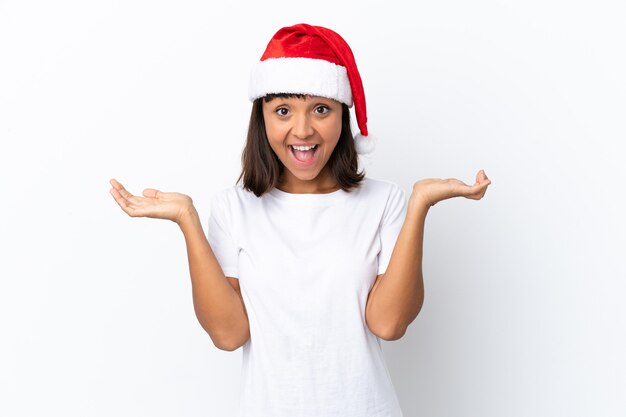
x: 306, y: 263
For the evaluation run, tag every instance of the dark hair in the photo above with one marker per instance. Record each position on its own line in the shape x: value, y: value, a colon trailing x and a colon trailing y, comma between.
x: 261, y: 168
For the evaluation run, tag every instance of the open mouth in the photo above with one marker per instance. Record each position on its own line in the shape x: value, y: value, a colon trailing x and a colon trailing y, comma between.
x: 305, y: 155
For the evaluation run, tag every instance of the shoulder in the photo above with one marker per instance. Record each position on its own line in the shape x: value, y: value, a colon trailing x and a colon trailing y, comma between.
x: 228, y: 205
x: 381, y: 188
x: 233, y: 198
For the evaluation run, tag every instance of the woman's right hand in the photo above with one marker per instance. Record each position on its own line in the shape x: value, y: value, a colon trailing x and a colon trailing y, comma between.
x: 154, y: 203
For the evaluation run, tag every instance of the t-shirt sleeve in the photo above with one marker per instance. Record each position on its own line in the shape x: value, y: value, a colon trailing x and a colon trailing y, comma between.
x: 392, y: 221
x: 220, y: 236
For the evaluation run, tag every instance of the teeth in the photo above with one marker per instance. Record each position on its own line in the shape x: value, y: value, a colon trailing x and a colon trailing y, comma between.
x: 303, y: 148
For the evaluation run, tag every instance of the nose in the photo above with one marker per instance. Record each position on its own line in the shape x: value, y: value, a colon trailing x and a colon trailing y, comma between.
x: 302, y: 127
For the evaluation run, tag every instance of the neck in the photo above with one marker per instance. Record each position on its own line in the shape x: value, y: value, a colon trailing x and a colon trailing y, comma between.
x: 324, y: 183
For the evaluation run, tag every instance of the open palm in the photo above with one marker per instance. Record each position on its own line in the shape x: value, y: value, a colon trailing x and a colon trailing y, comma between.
x: 433, y: 190
x: 154, y: 203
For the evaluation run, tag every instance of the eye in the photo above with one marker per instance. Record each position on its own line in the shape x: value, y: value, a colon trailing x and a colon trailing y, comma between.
x: 322, y: 109
x: 282, y: 111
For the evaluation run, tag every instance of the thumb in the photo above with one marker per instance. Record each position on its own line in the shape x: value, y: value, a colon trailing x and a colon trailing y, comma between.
x: 151, y: 193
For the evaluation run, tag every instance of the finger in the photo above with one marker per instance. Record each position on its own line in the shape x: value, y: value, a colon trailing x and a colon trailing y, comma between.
x: 116, y: 184
x: 482, y: 186
x: 128, y: 202
x: 118, y: 197
x: 130, y: 198
x: 133, y: 210
x: 120, y: 200
x: 483, y: 183
x: 151, y: 193
x: 480, y: 193
x: 477, y: 191
x: 481, y: 176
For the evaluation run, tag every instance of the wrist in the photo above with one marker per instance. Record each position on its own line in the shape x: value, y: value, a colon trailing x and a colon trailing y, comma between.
x: 418, y: 201
x: 188, y: 217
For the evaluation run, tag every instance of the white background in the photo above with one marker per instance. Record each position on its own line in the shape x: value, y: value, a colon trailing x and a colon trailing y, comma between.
x: 524, y: 312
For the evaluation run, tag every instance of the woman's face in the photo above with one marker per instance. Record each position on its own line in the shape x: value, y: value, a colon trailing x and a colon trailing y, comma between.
x: 303, y: 132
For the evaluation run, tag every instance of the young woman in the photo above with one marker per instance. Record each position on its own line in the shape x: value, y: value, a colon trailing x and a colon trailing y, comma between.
x: 307, y: 263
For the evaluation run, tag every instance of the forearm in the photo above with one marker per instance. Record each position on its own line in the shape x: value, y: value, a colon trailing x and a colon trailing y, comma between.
x: 399, y: 296
x: 217, y: 305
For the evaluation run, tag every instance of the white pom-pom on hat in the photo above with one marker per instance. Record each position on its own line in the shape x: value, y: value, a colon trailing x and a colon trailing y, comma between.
x: 364, y: 144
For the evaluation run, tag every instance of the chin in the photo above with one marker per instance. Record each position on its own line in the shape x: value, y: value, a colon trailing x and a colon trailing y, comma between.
x: 303, y: 176
x: 307, y: 177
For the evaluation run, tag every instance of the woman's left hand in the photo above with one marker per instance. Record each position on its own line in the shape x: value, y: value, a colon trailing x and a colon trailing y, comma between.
x: 430, y: 191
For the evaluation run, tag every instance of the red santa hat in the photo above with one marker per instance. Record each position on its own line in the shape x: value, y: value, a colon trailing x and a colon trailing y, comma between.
x: 314, y: 60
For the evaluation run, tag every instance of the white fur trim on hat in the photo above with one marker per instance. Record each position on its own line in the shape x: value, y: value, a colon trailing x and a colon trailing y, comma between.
x: 316, y: 77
